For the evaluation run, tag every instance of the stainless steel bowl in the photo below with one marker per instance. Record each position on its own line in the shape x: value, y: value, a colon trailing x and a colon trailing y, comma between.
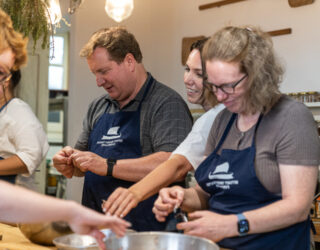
x: 76, y: 241
x: 84, y: 242
x: 159, y: 241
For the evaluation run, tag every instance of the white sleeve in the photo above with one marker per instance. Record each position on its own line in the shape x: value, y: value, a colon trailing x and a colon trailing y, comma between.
x: 30, y: 140
x: 193, y: 146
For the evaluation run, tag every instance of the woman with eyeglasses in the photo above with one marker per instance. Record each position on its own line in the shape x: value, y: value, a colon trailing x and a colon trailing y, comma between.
x: 23, y: 142
x: 256, y: 186
x: 188, y: 155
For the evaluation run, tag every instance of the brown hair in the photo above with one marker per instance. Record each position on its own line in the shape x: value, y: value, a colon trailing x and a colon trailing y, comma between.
x: 117, y: 41
x: 253, y: 50
x: 207, y: 98
x: 11, y: 39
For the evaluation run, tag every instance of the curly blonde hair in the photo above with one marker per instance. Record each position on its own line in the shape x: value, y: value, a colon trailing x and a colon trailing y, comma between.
x: 253, y: 50
x: 11, y: 39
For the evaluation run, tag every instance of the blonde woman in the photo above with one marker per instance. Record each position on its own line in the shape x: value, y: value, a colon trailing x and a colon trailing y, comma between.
x: 257, y: 183
x: 23, y: 142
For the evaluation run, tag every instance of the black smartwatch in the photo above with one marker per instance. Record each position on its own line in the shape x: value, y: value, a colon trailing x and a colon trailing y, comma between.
x: 243, y: 225
x: 110, y: 163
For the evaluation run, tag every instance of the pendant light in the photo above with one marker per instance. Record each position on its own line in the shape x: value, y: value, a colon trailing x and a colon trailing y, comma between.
x: 119, y: 10
x: 54, y: 12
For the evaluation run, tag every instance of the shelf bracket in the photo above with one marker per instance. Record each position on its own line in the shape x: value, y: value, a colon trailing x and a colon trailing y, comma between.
x: 280, y: 32
x: 218, y: 4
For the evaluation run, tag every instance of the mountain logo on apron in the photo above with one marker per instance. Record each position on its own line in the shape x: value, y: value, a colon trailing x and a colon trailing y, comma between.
x: 112, y: 134
x: 221, y: 172
x: 221, y: 176
x: 111, y: 138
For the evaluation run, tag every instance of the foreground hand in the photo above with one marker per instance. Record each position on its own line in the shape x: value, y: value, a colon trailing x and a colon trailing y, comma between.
x: 88, y: 161
x: 63, y: 163
x: 87, y: 221
x: 168, y: 199
x: 120, y: 202
x: 209, y: 225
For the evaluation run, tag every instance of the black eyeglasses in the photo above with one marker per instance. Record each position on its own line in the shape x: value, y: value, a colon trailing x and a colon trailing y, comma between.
x: 4, y: 78
x: 227, y: 88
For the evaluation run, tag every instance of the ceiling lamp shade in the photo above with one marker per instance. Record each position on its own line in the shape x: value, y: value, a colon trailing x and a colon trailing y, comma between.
x: 54, y: 11
x: 119, y: 10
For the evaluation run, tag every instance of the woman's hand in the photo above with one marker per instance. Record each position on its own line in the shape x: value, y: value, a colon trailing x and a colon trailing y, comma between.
x: 168, y: 199
x: 87, y: 221
x: 210, y: 225
x: 120, y: 202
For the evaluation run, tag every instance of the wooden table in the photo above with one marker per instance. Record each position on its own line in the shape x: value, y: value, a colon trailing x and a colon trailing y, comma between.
x: 13, y: 239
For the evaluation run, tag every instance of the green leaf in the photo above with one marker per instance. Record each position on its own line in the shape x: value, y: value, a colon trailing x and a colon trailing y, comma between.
x: 29, y: 18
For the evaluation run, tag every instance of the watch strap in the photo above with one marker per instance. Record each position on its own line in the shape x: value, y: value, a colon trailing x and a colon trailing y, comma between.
x: 243, y: 225
x: 241, y: 217
x: 110, y: 163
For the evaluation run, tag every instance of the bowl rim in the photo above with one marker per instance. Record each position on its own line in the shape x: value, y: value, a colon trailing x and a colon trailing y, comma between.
x: 162, y: 233
x: 59, y: 244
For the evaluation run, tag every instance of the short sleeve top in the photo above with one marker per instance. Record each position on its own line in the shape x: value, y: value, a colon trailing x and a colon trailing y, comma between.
x: 193, y: 147
x: 165, y: 118
x: 286, y: 135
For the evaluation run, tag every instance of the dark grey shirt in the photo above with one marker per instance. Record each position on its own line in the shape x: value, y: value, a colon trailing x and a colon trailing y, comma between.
x: 286, y: 135
x: 165, y: 119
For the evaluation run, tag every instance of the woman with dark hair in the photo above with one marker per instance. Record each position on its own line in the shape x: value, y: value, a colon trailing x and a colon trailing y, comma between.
x: 188, y: 155
x: 258, y: 181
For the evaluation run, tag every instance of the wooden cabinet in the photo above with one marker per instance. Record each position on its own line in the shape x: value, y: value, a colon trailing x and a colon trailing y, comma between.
x: 315, y: 109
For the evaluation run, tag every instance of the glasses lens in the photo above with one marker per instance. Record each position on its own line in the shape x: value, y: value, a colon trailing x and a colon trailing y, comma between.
x: 5, y: 74
x: 227, y: 89
x: 214, y: 88
x: 5, y: 78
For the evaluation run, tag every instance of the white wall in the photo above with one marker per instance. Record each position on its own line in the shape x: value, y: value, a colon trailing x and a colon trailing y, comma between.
x: 159, y: 27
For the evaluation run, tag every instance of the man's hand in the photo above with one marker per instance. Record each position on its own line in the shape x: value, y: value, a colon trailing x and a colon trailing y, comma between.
x: 63, y: 163
x: 120, y: 202
x: 88, y: 161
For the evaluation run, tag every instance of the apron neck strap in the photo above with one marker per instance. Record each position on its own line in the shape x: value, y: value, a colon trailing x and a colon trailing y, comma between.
x: 5, y: 105
x: 255, y: 130
x: 226, y: 131
x: 149, y: 82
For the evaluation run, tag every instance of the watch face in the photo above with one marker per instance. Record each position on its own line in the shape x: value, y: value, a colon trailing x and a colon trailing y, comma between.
x: 243, y: 226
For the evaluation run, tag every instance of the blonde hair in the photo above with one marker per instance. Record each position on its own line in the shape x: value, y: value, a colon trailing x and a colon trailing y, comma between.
x: 208, y: 98
x: 117, y: 41
x: 253, y: 50
x: 11, y: 39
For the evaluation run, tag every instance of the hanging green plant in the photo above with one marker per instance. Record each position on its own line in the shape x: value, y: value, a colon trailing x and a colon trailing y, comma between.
x: 30, y: 18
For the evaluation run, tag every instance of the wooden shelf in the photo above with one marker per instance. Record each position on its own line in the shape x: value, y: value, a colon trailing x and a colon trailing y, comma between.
x: 280, y: 32
x: 312, y: 104
x: 218, y: 4
x: 316, y: 222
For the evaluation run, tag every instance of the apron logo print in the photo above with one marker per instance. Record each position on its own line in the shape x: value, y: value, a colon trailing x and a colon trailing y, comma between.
x: 112, y: 134
x: 221, y: 172
x: 221, y: 178
x: 112, y: 138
